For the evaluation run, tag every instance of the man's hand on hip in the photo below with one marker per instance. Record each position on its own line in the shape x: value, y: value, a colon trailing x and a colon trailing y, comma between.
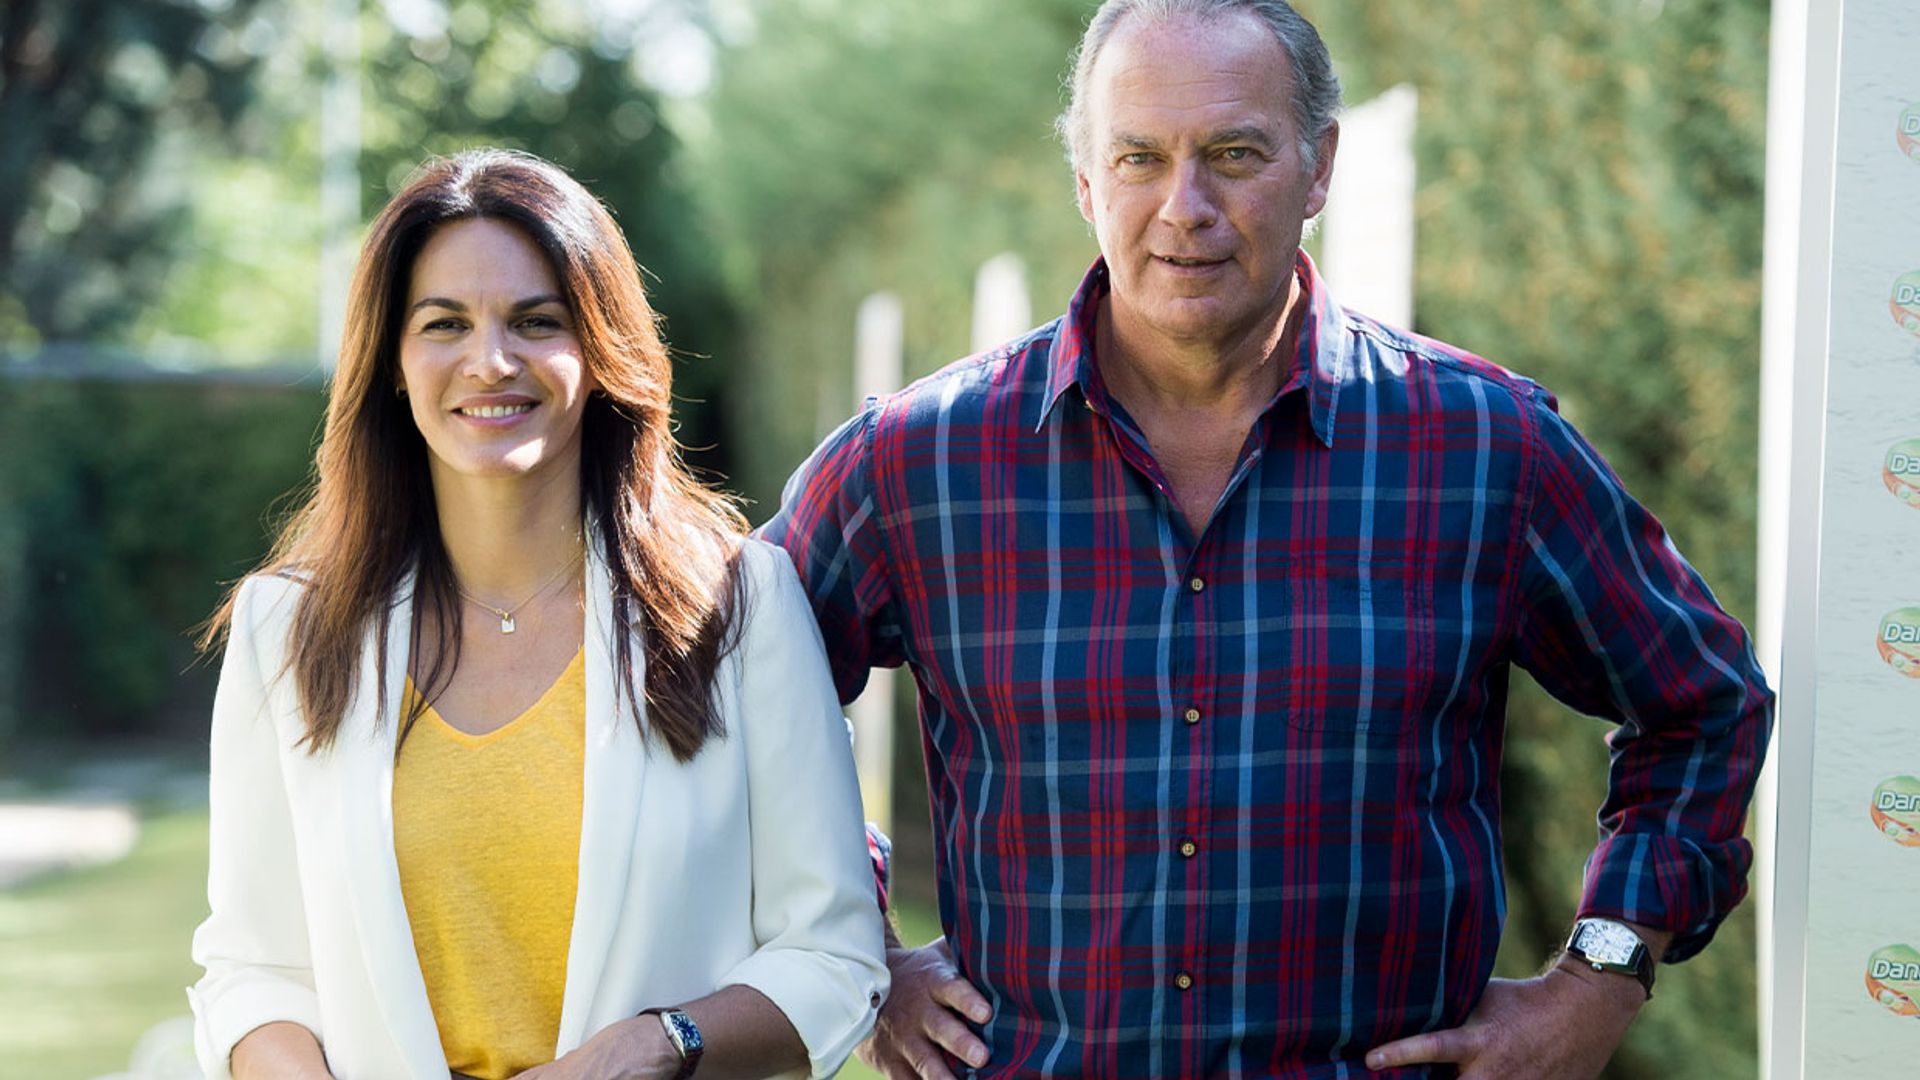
x: 1562, y: 1025
x: 921, y: 1024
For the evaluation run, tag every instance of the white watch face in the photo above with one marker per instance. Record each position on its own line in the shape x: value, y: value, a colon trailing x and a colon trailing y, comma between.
x: 1607, y: 942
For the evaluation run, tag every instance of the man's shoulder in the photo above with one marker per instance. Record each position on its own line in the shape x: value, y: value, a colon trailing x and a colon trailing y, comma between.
x: 1000, y: 384
x: 1452, y: 375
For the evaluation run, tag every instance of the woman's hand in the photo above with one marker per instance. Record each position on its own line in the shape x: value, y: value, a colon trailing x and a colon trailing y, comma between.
x: 633, y: 1049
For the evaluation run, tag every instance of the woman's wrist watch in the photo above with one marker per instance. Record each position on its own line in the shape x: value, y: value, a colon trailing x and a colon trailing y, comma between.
x: 684, y: 1034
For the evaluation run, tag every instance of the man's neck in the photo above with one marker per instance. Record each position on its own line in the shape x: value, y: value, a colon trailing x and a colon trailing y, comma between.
x: 1153, y: 375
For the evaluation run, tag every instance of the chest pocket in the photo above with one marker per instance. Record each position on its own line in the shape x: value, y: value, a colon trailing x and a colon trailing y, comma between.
x: 1364, y: 649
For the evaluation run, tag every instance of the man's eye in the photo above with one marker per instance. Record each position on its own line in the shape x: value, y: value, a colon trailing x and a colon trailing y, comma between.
x: 1237, y: 153
x: 1135, y: 159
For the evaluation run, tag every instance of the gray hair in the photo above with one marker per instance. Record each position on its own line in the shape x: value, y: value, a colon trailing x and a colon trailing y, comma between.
x: 1316, y: 89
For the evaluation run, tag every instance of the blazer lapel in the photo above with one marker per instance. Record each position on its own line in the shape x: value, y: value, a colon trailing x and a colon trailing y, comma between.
x: 610, y: 806
x: 365, y: 752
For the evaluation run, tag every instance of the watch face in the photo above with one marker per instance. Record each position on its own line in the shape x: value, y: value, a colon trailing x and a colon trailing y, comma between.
x: 1607, y: 942
x: 683, y: 1026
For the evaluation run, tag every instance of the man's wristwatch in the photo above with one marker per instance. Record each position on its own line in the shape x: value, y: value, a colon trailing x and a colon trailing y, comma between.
x: 1606, y: 945
x: 684, y: 1034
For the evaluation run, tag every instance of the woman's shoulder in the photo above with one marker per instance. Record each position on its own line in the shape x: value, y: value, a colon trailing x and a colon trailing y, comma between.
x: 266, y: 600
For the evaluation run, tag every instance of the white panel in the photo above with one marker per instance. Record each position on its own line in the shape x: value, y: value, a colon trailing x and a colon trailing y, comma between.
x: 1850, y: 619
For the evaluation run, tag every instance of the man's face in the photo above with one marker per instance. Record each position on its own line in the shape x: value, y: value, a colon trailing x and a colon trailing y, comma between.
x: 1193, y: 179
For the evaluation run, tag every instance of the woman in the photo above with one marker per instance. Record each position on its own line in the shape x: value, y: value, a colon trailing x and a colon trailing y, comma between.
x: 522, y: 750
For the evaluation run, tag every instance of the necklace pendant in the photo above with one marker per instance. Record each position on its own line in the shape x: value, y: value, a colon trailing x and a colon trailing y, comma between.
x: 506, y: 624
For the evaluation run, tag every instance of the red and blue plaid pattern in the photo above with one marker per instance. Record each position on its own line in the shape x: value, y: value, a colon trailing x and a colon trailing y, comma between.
x: 1228, y: 804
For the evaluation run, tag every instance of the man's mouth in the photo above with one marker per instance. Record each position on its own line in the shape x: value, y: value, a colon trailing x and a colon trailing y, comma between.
x: 1188, y: 264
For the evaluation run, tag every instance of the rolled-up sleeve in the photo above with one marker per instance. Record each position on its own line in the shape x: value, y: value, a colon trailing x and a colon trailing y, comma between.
x: 253, y: 945
x: 821, y: 957
x: 1614, y: 622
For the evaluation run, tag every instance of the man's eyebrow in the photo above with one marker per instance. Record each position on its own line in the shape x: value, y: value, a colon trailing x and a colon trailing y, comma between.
x: 1254, y: 135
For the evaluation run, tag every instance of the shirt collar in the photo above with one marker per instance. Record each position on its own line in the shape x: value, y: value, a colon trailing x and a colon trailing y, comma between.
x: 1322, y: 362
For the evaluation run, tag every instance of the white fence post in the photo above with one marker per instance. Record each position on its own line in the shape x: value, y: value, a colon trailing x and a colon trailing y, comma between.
x: 879, y: 339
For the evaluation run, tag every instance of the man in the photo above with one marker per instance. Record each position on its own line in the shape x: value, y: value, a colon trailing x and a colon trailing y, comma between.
x: 1211, y: 588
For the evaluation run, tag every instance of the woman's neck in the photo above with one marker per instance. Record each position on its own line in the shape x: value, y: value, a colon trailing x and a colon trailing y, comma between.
x: 507, y: 537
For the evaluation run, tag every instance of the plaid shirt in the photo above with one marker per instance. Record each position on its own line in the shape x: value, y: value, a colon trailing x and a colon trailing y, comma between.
x: 1228, y: 804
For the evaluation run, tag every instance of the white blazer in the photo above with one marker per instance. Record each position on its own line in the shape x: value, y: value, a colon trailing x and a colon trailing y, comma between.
x: 745, y: 866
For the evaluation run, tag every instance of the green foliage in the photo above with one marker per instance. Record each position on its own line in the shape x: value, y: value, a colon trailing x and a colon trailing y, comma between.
x: 124, y: 506
x: 828, y: 189
x: 101, y: 101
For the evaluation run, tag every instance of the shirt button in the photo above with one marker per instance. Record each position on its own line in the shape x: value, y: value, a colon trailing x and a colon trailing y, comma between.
x: 1197, y: 584
x: 1189, y: 849
x: 1193, y: 716
x: 1183, y: 980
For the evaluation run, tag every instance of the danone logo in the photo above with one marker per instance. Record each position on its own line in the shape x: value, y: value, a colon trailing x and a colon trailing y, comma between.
x: 1893, y: 978
x: 1906, y: 302
x: 1896, y: 810
x: 1910, y: 132
x: 1902, y: 472
x: 1900, y: 641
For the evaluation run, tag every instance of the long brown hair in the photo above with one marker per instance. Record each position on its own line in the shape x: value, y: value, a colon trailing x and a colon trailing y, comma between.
x: 670, y: 544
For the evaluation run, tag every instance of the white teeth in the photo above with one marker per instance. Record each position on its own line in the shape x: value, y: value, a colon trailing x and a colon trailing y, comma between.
x: 494, y: 412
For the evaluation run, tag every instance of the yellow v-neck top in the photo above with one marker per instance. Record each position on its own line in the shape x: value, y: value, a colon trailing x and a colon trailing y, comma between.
x: 486, y: 829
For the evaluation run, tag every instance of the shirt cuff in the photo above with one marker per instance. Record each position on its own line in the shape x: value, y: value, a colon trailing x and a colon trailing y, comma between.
x: 1668, y: 883
x: 224, y: 1016
x: 880, y: 851
x: 819, y: 997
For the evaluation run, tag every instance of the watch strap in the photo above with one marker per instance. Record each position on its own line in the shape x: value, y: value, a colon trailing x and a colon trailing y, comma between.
x: 684, y: 1035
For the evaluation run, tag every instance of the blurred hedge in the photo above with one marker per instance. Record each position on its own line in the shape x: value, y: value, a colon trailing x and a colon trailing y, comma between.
x: 124, y: 506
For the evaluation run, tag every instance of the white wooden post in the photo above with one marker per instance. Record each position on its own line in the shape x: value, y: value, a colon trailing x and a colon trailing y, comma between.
x: 339, y: 34
x: 1002, y: 307
x: 1366, y: 245
x: 879, y: 338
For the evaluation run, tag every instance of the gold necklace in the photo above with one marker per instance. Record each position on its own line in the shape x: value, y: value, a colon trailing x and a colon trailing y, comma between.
x: 506, y: 614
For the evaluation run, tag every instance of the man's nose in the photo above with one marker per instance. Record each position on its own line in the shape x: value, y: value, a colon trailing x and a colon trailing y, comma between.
x: 1189, y: 202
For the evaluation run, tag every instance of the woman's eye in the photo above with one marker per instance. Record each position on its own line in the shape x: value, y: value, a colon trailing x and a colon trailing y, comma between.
x: 441, y: 324
x: 540, y: 322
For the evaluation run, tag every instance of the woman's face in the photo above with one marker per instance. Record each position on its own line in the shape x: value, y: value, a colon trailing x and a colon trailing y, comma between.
x: 489, y: 357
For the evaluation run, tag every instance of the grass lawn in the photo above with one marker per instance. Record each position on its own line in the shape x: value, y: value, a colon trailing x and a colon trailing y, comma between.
x: 90, y: 959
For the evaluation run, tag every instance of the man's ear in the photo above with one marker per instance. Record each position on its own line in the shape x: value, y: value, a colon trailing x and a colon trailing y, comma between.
x: 1084, y: 192
x: 1328, y: 146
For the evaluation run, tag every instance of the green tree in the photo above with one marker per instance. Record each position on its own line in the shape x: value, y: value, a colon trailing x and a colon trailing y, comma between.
x: 100, y: 100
